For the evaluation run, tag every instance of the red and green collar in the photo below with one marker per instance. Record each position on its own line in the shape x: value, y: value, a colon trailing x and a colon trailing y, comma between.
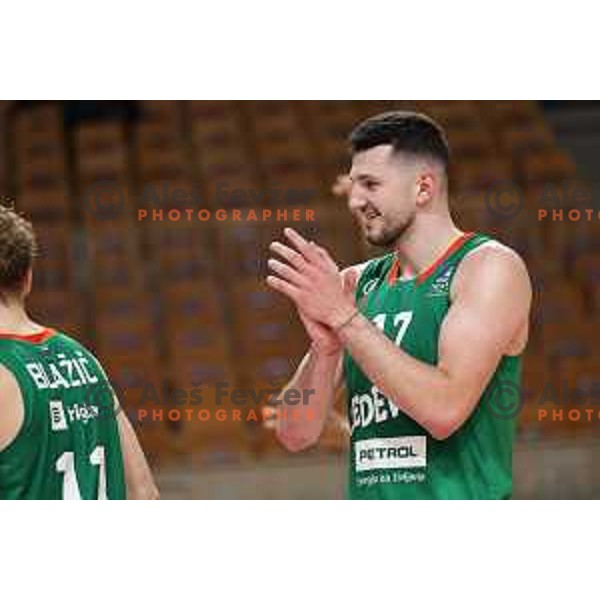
x: 454, y: 246
x: 31, y: 338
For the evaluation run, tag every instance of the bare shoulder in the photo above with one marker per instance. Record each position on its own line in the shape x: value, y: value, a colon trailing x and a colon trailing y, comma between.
x: 7, y: 382
x: 495, y: 266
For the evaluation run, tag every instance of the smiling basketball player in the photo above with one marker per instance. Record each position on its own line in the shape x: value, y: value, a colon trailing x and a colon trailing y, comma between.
x: 422, y: 337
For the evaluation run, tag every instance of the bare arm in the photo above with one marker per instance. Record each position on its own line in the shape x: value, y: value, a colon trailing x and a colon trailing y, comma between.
x: 138, y: 477
x: 319, y: 377
x: 488, y: 317
x: 12, y: 411
x: 490, y: 309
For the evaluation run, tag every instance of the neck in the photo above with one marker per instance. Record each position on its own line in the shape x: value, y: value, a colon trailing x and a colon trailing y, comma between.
x: 14, y: 319
x: 425, y: 240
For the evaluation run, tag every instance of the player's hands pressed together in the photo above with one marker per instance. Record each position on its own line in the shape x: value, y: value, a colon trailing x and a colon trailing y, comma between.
x: 323, y: 338
x: 312, y: 280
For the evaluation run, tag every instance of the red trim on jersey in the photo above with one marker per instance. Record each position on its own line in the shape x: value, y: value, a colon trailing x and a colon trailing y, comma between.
x: 395, y: 271
x: 32, y: 338
x: 451, y: 249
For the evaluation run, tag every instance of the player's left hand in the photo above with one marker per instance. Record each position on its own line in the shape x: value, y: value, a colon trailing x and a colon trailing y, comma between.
x: 311, y: 279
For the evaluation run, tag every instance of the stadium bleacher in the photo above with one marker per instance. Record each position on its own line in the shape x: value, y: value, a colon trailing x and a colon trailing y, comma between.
x: 173, y: 304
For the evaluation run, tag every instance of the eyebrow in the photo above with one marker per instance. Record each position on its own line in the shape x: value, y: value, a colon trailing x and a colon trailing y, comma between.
x: 362, y: 177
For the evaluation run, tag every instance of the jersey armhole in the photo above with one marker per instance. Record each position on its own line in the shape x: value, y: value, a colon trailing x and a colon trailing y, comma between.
x: 484, y: 242
x: 368, y: 267
x: 487, y: 242
x: 25, y: 423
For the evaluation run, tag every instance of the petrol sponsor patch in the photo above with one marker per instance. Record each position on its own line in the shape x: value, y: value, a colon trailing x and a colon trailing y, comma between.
x: 405, y: 452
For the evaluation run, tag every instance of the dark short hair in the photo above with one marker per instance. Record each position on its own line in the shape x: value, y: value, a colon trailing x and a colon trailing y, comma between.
x: 408, y: 132
x: 18, y: 248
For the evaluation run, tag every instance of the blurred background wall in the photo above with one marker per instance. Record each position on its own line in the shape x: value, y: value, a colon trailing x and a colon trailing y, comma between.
x: 179, y: 304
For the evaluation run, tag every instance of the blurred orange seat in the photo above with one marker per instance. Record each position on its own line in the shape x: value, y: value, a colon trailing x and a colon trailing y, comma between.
x: 165, y: 112
x: 193, y: 304
x: 569, y: 339
x: 42, y: 121
x: 470, y: 144
x: 455, y: 115
x: 504, y: 113
x: 560, y: 302
x: 482, y: 174
x: 523, y: 139
x: 63, y: 309
x: 546, y: 167
x: 587, y: 268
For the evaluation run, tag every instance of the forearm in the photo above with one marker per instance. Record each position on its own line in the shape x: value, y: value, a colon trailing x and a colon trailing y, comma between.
x: 489, y: 304
x: 141, y: 487
x: 424, y: 392
x: 138, y: 477
x: 148, y: 491
x: 300, y: 426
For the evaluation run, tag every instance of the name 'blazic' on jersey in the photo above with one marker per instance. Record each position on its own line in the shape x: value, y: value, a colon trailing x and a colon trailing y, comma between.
x: 66, y: 373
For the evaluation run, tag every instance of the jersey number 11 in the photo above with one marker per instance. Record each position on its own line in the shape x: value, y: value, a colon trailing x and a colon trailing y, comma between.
x: 66, y: 465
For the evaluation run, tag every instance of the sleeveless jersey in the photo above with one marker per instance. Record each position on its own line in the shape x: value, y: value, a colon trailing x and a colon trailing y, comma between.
x: 392, y: 456
x: 68, y: 446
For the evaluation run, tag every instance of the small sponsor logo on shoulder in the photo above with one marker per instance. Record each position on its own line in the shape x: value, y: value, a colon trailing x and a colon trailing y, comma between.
x: 369, y: 286
x: 441, y: 285
x: 406, y: 452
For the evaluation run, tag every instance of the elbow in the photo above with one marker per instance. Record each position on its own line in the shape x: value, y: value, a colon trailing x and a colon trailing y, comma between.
x: 445, y: 424
x: 293, y: 442
x: 146, y: 493
x: 441, y: 430
x: 453, y: 407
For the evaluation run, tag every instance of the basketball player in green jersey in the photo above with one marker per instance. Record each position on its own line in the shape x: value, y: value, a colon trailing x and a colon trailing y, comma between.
x: 427, y: 338
x: 62, y: 435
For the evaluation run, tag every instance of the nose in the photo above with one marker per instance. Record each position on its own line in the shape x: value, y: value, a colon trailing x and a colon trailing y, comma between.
x: 357, y: 199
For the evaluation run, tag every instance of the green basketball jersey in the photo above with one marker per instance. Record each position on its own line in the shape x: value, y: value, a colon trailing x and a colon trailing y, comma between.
x: 392, y: 456
x: 68, y: 446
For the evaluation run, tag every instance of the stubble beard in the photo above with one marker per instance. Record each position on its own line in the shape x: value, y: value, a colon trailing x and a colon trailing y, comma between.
x: 389, y: 235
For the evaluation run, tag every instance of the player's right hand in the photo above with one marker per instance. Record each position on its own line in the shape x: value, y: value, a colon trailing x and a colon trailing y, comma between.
x: 324, y: 338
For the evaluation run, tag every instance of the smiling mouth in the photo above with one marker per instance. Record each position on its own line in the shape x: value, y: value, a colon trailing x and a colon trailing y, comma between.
x: 371, y: 214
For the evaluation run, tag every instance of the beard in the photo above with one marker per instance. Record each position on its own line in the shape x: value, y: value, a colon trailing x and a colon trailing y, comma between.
x: 386, y: 235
